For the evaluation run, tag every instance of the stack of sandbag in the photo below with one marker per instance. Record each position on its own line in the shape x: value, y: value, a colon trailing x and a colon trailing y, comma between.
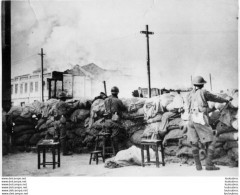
x: 176, y: 103
x: 96, y: 111
x: 23, y: 129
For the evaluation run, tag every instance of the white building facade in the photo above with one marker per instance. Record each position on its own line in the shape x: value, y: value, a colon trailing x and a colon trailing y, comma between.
x: 27, y: 88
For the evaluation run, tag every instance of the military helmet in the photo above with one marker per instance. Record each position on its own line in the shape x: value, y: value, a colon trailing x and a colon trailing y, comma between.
x: 62, y: 94
x: 198, y: 80
x: 115, y: 90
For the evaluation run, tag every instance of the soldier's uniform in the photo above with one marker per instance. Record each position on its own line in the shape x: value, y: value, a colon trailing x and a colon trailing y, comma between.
x: 60, y: 116
x: 114, y: 108
x: 199, y: 129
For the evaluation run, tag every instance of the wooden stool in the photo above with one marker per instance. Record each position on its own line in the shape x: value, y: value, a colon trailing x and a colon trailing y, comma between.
x: 156, y: 143
x: 105, y: 136
x: 95, y: 154
x: 53, y: 147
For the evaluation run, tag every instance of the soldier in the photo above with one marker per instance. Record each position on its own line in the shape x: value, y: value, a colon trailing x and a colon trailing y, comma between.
x: 61, y: 111
x: 198, y: 127
x: 114, y: 108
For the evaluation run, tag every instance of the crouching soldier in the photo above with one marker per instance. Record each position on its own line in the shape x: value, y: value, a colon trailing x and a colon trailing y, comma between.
x: 113, y: 115
x: 199, y: 129
x: 60, y: 116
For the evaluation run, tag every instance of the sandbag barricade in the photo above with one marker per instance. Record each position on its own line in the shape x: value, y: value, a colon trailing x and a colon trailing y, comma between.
x: 142, y: 117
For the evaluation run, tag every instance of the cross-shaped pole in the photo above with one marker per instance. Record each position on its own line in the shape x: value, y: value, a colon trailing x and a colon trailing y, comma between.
x: 148, y: 58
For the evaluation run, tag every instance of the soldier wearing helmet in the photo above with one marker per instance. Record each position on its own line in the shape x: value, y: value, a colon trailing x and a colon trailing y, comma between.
x: 199, y: 129
x: 60, y: 115
x: 113, y: 113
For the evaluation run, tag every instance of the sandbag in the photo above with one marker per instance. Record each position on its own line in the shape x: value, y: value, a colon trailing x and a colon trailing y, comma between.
x: 230, y: 144
x: 19, y: 128
x: 151, y: 129
x: 43, y: 127
x: 138, y: 113
x: 51, y: 102
x: 219, y: 152
x: 70, y: 135
x: 166, y: 99
x: 184, y: 151
x: 46, y: 111
x: 211, y: 105
x: 50, y: 123
x: 22, y: 140
x: 43, y: 133
x: 228, y: 114
x: 233, y: 154
x: 176, y: 103
x: 79, y: 115
x: 152, y: 107
x: 28, y: 111
x: 228, y: 137
x: 15, y: 111
x: 98, y: 107
x: 157, y: 118
x: 225, y: 161
x: 137, y: 137
x: 22, y: 121
x: 171, y: 150
x: 223, y: 128
x: 35, y: 139
x: 174, y: 134
x: 127, y: 124
x: 28, y: 131
x: 133, y: 104
x: 214, y: 116
x: 37, y: 105
x: 80, y: 132
x: 40, y: 122
x: 234, y: 124
x: 51, y: 131
x: 234, y: 102
x: 184, y: 142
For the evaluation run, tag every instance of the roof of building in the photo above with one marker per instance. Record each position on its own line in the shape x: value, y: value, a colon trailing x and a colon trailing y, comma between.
x: 76, y: 71
x: 93, y: 69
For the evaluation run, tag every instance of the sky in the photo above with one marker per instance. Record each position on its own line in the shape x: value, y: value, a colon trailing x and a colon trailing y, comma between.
x: 191, y: 37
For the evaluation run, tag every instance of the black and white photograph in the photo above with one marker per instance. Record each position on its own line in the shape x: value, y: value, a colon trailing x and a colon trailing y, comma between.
x: 119, y: 88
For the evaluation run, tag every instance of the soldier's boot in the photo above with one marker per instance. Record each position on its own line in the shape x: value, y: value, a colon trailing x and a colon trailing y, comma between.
x: 196, y: 157
x: 64, y: 148
x: 209, y: 164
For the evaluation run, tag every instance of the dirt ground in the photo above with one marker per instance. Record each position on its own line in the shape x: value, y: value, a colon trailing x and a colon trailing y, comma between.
x: 25, y: 164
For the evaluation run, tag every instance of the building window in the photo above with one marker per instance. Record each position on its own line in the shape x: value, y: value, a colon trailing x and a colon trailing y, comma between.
x: 26, y: 85
x: 36, y: 86
x: 22, y: 104
x: 31, y: 87
x: 11, y: 89
x: 16, y: 88
x: 21, y: 88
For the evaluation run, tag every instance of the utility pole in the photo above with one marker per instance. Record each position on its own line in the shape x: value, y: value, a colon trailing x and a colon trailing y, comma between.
x: 42, y: 88
x: 148, y: 58
x: 191, y: 81
x: 105, y: 89
x: 210, y: 81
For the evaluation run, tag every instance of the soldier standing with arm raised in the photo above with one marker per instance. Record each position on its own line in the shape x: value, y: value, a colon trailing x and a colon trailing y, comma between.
x: 198, y: 127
